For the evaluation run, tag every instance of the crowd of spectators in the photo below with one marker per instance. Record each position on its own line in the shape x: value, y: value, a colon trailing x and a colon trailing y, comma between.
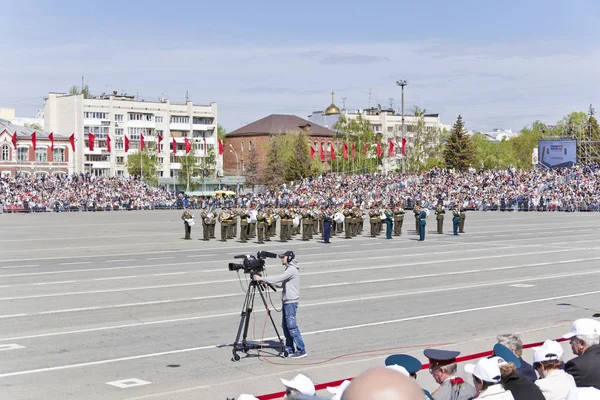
x: 504, y: 375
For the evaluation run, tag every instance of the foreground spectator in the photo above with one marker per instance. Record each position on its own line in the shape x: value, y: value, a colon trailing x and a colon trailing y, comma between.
x: 442, y: 366
x: 521, y: 388
x: 382, y: 384
x: 587, y: 393
x: 338, y: 391
x: 554, y: 382
x: 486, y: 378
x: 514, y: 343
x: 585, y: 343
x: 406, y: 365
x: 300, y: 384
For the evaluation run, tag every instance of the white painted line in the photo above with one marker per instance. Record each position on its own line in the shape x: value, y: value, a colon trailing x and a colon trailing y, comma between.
x: 4, y: 347
x: 112, y: 278
x: 51, y: 283
x: 342, y: 245
x: 202, y: 255
x: 128, y: 383
x: 159, y: 258
x: 21, y: 266
x: 122, y: 260
x: 172, y: 273
x: 344, y: 328
x: 522, y: 285
x: 75, y: 263
x: 12, y: 315
x: 370, y: 244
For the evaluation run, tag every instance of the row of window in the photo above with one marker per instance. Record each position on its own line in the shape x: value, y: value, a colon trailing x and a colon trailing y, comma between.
x: 181, y: 119
x: 40, y: 154
x: 249, y: 146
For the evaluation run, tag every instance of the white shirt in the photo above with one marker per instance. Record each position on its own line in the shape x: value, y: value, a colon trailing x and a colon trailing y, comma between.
x: 496, y: 392
x: 556, y: 385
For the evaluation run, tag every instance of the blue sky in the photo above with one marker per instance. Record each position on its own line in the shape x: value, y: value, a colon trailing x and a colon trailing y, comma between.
x: 499, y: 64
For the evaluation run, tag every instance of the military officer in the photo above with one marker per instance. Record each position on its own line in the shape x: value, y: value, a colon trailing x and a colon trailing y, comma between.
x: 261, y: 221
x: 252, y: 213
x: 389, y: 222
x: 455, y: 220
x: 327, y: 221
x: 373, y: 219
x: 422, y: 222
x: 243, y: 214
x: 205, y: 225
x: 398, y: 220
x: 347, y: 222
x: 439, y: 216
x: 416, y: 211
x: 270, y: 224
x: 305, y: 222
x: 188, y: 221
x: 443, y: 368
x: 463, y: 216
x: 224, y: 221
x: 411, y: 366
x: 232, y: 223
x: 283, y: 226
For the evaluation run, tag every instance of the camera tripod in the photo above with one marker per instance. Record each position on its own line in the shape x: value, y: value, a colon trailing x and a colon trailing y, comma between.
x: 242, y: 331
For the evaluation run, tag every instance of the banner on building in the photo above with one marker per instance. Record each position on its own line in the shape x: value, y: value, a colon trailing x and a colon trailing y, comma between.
x: 557, y: 153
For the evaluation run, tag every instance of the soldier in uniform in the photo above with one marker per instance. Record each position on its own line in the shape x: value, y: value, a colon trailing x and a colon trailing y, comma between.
x: 416, y: 211
x: 243, y: 214
x: 442, y: 368
x: 373, y: 219
x: 205, y: 225
x: 188, y: 221
x: 317, y: 221
x: 439, y: 216
x: 306, y: 227
x: 389, y: 222
x: 261, y: 222
x: 252, y: 213
x: 398, y: 220
x: 283, y: 218
x: 422, y: 222
x: 224, y: 220
x: 455, y: 220
x: 463, y: 216
x: 211, y: 228
x: 347, y: 222
x: 232, y: 223
x: 327, y: 221
x: 411, y: 366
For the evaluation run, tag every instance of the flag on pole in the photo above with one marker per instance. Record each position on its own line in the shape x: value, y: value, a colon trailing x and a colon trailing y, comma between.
x: 72, y: 140
x: 91, y: 138
x: 174, y: 145
x: 51, y: 137
x: 142, y: 142
x: 34, y: 140
x: 220, y: 147
x: 312, y: 153
x: 158, y: 140
x: 366, y: 149
x: 403, y: 146
x: 391, y: 148
x: 188, y: 146
x: 204, y: 145
x: 353, y: 151
x: 321, y: 153
x: 108, y: 143
x: 14, y: 140
x: 379, y: 152
x: 345, y: 150
x: 126, y: 144
x: 332, y: 151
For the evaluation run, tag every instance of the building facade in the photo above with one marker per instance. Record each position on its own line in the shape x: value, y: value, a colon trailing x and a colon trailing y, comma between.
x: 120, y: 116
x: 25, y: 160
x: 239, y: 143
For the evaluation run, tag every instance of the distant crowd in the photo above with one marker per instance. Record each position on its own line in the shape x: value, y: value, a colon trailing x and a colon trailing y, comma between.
x: 569, y: 189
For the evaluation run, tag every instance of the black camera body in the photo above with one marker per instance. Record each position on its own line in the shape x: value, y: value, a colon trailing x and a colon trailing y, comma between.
x: 252, y: 264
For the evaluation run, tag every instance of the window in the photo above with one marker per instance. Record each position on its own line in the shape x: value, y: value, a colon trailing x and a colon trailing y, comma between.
x: 161, y: 160
x: 120, y: 160
x: 242, y: 146
x: 95, y: 115
x: 243, y: 165
x: 100, y: 132
x: 148, y: 117
x: 201, y: 134
x: 41, y: 154
x: 159, y: 133
x: 180, y: 119
x: 135, y: 116
x: 59, y: 155
x: 119, y: 145
x: 5, y: 153
x: 23, y: 154
x: 390, y: 129
x: 249, y: 146
x: 203, y: 120
x: 119, y: 131
x: 119, y: 117
x: 158, y: 119
x: 134, y: 133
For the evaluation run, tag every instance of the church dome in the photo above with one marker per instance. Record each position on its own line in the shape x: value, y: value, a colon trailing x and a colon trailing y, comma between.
x: 332, y: 109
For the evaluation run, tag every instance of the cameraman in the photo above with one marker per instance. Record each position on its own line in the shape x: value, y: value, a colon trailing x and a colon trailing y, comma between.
x: 290, y: 282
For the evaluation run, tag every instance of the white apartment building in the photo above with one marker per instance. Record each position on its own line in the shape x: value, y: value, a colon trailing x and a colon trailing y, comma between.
x: 120, y: 115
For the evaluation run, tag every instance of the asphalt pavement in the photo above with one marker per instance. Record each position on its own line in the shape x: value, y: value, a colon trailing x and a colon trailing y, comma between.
x: 116, y: 305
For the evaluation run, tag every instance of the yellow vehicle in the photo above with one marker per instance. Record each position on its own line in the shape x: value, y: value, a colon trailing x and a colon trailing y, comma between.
x: 224, y: 193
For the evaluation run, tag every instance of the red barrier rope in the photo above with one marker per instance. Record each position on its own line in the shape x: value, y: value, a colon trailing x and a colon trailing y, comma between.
x: 469, y: 357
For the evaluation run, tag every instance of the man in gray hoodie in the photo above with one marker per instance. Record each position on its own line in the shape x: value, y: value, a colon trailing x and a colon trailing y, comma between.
x: 290, y: 282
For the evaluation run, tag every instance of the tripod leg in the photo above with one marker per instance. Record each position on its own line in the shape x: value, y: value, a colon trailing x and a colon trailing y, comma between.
x: 249, y: 307
x: 244, y: 317
x: 284, y: 351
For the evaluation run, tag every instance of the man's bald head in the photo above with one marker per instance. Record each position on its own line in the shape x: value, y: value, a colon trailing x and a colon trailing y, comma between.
x: 383, y: 384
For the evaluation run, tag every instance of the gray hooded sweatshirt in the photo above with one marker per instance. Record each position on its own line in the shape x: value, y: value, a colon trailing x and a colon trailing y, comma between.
x: 289, y: 281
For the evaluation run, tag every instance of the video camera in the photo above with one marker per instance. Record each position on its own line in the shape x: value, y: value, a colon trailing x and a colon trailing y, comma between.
x: 252, y: 264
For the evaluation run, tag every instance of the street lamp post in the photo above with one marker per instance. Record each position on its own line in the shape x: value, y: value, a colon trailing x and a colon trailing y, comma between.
x: 237, y: 160
x: 402, y: 83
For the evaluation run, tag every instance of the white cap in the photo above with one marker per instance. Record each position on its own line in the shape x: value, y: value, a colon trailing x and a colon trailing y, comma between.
x: 583, y: 393
x: 486, y: 369
x: 301, y: 383
x: 246, y: 397
x: 550, y: 350
x: 498, y: 360
x: 338, y: 391
x: 398, y: 368
x: 584, y: 327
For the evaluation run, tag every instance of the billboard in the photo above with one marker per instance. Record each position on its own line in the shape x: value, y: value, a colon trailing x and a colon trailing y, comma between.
x: 557, y: 153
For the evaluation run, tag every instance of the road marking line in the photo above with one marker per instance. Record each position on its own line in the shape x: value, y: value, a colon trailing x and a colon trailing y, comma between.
x: 172, y: 273
x: 75, y: 262
x: 338, y: 329
x: 522, y: 285
x: 112, y: 278
x: 158, y: 258
x: 202, y: 255
x: 122, y: 260
x: 4, y: 347
x: 128, y: 383
x: 21, y: 266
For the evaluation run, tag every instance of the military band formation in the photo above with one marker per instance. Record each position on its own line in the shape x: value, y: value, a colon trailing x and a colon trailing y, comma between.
x: 267, y: 223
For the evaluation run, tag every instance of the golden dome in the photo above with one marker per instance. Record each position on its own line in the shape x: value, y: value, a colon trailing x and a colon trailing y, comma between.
x: 332, y: 109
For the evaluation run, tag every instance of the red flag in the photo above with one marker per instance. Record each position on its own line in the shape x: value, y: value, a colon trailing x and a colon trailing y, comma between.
x: 91, y: 139
x: 391, y: 148
x: 379, y: 152
x: 204, y: 145
x: 220, y: 147
x: 312, y: 153
x: 332, y: 151
x: 108, y: 143
x: 158, y: 139
x: 51, y: 137
x: 345, y: 150
x: 353, y: 151
x: 188, y: 146
x: 34, y: 139
x: 72, y: 140
x: 14, y: 140
x: 322, y: 153
x: 142, y: 143
x: 366, y: 149
x: 403, y: 146
x: 173, y: 145
x: 126, y: 144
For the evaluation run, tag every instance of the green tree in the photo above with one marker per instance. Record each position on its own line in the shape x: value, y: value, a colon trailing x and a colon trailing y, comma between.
x: 85, y: 90
x: 424, y: 144
x: 189, y: 170
x: 459, y: 152
x: 145, y: 165
x: 275, y: 167
x: 252, y: 173
x: 34, y: 126
x: 221, y: 134
x: 297, y: 157
x: 357, y: 132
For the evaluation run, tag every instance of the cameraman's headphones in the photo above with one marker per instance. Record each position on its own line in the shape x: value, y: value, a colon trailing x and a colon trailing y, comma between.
x: 289, y: 254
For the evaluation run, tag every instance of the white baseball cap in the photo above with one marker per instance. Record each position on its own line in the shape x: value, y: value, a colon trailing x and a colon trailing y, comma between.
x: 583, y: 326
x: 498, y: 360
x: 301, y: 383
x: 398, y: 368
x: 338, y: 391
x: 486, y: 369
x: 583, y: 393
x: 550, y: 350
x: 246, y: 397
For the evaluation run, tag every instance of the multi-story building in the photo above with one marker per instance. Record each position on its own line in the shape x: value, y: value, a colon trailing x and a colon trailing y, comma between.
x: 118, y: 116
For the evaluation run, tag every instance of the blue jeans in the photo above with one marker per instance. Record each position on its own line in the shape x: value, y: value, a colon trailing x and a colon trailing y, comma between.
x: 293, y: 339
